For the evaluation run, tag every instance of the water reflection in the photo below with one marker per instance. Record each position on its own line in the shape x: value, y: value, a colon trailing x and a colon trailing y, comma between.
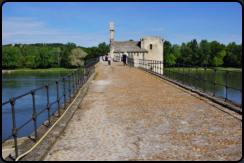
x: 18, y: 83
x: 234, y: 80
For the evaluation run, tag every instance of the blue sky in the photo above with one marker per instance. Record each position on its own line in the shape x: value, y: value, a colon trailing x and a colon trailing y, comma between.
x: 87, y: 24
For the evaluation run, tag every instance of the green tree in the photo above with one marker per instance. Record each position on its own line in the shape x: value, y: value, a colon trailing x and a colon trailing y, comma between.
x: 215, y: 48
x: 186, y: 53
x: 170, y: 58
x: 10, y: 56
x: 70, y: 46
x: 166, y: 50
x: 203, y: 52
x: 103, y: 49
x: 57, y: 54
x: 194, y: 48
x: 218, y: 59
x: 46, y: 56
x: 239, y: 55
x: 233, y: 56
x: 176, y: 52
x: 65, y: 60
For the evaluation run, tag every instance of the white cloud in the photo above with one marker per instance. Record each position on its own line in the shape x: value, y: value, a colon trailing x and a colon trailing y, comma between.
x: 26, y: 30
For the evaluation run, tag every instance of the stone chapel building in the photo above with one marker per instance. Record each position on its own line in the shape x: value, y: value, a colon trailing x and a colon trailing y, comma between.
x: 149, y: 47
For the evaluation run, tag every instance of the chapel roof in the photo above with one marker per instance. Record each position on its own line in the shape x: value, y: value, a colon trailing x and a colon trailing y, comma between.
x: 128, y: 46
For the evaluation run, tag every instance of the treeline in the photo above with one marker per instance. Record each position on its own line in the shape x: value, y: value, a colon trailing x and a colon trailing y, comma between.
x: 49, y: 55
x: 210, y: 54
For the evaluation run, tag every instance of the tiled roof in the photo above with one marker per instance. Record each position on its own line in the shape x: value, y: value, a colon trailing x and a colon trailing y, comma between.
x: 128, y: 46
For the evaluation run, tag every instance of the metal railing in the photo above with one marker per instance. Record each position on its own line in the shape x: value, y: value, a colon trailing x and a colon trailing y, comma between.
x: 130, y: 61
x: 157, y: 67
x: 79, y: 76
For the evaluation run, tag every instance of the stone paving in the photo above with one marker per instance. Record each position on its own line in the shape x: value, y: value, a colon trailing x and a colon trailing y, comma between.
x: 129, y: 114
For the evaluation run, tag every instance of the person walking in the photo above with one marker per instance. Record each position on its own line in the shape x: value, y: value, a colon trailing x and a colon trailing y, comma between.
x: 109, y: 59
x: 124, y: 58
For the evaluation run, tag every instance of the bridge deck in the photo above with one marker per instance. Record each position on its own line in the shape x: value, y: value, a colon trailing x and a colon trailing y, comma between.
x: 129, y: 114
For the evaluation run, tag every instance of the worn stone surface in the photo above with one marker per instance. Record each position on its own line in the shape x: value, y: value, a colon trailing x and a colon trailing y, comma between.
x: 129, y: 114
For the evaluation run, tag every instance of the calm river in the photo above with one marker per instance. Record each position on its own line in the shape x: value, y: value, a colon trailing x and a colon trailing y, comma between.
x: 16, y: 83
x: 234, y: 80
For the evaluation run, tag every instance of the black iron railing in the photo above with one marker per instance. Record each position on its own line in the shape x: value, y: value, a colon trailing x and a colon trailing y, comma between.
x: 79, y: 76
x: 157, y: 67
x: 130, y: 61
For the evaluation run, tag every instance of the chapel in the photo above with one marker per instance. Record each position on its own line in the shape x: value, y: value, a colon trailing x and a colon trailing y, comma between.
x: 149, y: 47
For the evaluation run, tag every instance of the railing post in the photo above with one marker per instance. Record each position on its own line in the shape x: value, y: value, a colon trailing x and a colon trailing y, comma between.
x: 80, y: 76
x: 73, y: 82
x: 166, y: 68
x: 150, y: 65
x: 155, y: 68
x: 58, y: 98
x: 69, y: 90
x: 153, y: 65
x: 196, y: 77
x: 174, y: 71
x: 48, y: 106
x: 227, y: 83
x: 189, y: 73
x: 214, y: 81
x: 169, y: 70
x: 160, y: 68
x: 205, y: 79
x: 64, y: 94
x: 156, y: 65
x: 34, y: 113
x: 183, y: 74
x: 178, y: 72
x: 241, y: 98
x: 14, y: 130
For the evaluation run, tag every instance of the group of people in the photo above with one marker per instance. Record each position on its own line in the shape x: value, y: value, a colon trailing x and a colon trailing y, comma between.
x: 123, y: 58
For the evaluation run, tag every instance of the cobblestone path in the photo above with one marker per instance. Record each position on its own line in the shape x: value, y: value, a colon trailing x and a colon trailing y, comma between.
x: 129, y: 114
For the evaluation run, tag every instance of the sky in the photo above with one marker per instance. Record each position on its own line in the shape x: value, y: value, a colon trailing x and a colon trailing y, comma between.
x: 88, y: 23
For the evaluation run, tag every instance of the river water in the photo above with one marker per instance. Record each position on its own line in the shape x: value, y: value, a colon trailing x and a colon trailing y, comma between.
x: 234, y: 80
x: 17, y: 83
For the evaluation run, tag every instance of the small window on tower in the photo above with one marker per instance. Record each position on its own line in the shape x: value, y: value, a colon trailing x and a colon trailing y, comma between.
x: 150, y: 46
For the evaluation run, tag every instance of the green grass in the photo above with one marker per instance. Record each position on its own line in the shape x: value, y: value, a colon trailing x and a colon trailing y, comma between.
x: 78, y: 107
x: 13, y: 146
x: 194, y: 69
x: 47, y: 69
x: 95, y: 76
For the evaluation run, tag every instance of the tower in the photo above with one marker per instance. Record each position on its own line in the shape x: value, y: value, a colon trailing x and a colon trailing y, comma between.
x: 111, y: 39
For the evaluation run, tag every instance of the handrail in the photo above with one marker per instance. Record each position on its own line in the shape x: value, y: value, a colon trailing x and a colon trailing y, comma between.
x: 158, y: 67
x: 79, y: 74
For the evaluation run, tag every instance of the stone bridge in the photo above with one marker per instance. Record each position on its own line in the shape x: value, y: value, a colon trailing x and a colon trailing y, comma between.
x: 128, y: 114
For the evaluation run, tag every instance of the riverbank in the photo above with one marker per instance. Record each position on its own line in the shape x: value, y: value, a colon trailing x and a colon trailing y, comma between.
x: 193, y: 68
x: 39, y: 70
